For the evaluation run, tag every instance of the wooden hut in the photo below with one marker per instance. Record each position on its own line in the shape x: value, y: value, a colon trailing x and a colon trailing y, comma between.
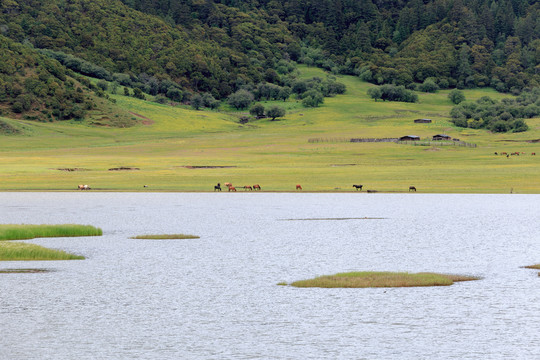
x: 409, y: 138
x: 441, y: 137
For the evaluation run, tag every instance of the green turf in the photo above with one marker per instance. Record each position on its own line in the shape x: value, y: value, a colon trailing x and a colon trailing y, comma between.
x: 180, y: 149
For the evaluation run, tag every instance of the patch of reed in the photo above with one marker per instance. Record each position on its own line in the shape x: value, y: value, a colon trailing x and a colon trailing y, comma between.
x: 23, y: 271
x: 16, y: 251
x: 166, y: 237
x: 26, y: 231
x: 537, y: 266
x: 381, y: 279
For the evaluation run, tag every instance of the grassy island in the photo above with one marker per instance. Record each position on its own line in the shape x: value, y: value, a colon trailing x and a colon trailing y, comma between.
x: 381, y: 279
x: 22, y: 251
x: 166, y: 237
x: 25, y: 232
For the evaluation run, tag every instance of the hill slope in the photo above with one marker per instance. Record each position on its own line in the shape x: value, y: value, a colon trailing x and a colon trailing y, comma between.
x: 188, y: 150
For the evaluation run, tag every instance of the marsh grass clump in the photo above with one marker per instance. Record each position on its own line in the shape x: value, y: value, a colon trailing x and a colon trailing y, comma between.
x: 166, y: 237
x: 16, y: 251
x: 23, y: 271
x: 25, y: 231
x: 381, y: 279
x: 537, y: 267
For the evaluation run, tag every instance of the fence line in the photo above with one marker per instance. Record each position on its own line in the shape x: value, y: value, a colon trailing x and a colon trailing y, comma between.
x: 396, y: 140
x: 438, y: 143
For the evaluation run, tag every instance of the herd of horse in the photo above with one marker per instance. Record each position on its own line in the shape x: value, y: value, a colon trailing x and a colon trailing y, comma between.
x: 255, y: 187
x: 298, y: 187
x: 517, y: 153
x: 232, y: 188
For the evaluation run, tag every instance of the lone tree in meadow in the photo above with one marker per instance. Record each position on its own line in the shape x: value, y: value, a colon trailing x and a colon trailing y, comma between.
x: 275, y: 112
x: 375, y: 93
x: 257, y: 110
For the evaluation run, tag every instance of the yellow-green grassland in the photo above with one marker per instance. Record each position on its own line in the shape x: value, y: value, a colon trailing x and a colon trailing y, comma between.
x: 176, y: 148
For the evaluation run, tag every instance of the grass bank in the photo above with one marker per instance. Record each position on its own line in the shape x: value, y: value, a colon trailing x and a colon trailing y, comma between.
x: 15, y: 251
x: 24, y: 231
x: 381, y: 279
x: 536, y: 266
x: 166, y: 237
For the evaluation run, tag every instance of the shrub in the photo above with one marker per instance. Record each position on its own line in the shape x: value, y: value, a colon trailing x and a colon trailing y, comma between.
x: 428, y: 86
x: 456, y: 96
x: 241, y: 99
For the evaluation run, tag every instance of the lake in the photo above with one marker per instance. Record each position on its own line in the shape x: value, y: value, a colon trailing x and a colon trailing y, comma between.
x: 217, y: 297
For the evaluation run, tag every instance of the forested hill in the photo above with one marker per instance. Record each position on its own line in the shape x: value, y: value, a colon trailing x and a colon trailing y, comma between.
x: 460, y: 43
x: 177, y: 47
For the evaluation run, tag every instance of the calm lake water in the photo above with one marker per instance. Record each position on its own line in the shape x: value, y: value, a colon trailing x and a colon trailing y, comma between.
x: 216, y: 297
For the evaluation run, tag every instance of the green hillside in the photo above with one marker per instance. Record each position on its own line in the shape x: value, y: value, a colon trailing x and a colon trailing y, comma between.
x: 180, y: 149
x: 121, y: 94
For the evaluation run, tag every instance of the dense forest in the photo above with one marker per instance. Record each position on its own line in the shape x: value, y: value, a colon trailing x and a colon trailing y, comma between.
x: 177, y: 48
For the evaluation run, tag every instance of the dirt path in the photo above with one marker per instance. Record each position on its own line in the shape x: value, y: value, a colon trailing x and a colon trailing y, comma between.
x: 146, y: 121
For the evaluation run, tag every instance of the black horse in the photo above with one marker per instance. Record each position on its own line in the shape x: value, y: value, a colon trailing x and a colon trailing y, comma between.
x: 217, y: 187
x: 412, y: 188
x: 358, y: 187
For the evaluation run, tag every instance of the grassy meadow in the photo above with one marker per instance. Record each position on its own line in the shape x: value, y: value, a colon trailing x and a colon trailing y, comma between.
x: 180, y: 149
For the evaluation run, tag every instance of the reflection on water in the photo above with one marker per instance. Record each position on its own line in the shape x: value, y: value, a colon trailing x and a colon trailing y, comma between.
x: 217, y: 298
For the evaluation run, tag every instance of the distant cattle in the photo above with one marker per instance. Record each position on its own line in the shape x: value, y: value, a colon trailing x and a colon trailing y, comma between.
x: 256, y: 187
x: 298, y: 187
x: 358, y: 187
x: 84, y: 187
x: 412, y: 188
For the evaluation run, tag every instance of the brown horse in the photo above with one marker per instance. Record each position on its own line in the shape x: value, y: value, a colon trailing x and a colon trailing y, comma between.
x: 412, y: 188
x: 256, y: 187
x: 247, y: 187
x: 533, y: 153
x: 232, y: 188
x: 298, y: 187
x: 228, y: 184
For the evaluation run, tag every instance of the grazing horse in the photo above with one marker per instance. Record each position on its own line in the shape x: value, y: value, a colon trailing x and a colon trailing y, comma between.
x: 412, y: 188
x: 298, y: 187
x: 358, y: 187
x: 227, y: 184
x: 232, y: 188
x: 217, y: 187
x: 81, y: 187
x: 256, y: 187
x: 247, y: 187
x: 533, y: 153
